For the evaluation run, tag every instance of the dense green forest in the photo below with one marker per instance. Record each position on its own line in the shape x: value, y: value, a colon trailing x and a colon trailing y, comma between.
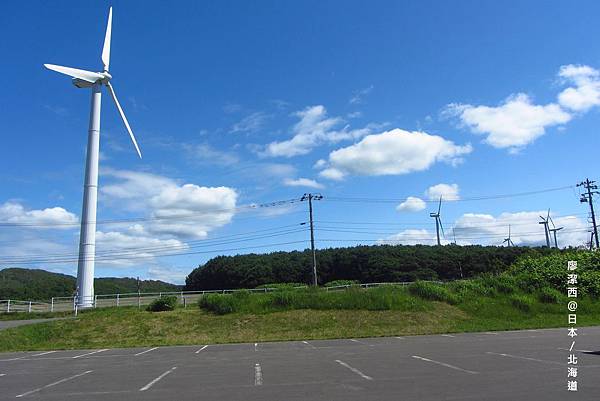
x: 35, y: 284
x: 376, y: 263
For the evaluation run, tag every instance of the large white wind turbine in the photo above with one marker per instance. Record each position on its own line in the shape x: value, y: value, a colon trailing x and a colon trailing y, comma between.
x: 87, y: 239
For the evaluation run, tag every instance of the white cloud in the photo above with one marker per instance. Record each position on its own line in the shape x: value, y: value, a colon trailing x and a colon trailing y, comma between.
x: 412, y: 237
x: 525, y: 229
x: 513, y: 124
x: 168, y: 274
x: 54, y: 217
x: 411, y: 204
x: 127, y: 250
x: 313, y: 129
x: 251, y: 123
x: 302, y: 182
x: 448, y: 192
x: 180, y: 211
x: 393, y: 152
x: 586, y: 92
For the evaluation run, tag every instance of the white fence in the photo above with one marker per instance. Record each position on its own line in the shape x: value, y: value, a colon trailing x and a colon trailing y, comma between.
x: 65, y: 304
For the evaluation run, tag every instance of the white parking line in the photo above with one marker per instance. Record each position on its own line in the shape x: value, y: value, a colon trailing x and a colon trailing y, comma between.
x: 400, y: 338
x: 524, y: 357
x: 43, y: 353
x: 448, y: 335
x: 445, y: 364
x: 2, y: 374
x: 153, y: 382
x: 309, y: 344
x: 54, y: 384
x: 197, y: 352
x: 255, y: 346
x: 89, y: 353
x: 491, y: 333
x: 258, y: 380
x: 148, y: 350
x: 358, y: 372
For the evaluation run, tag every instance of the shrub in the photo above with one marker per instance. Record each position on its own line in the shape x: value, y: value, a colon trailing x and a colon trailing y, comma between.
x: 521, y: 302
x: 550, y: 295
x: 336, y: 283
x: 164, y: 303
x: 432, y: 292
x: 505, y: 284
x: 219, y: 304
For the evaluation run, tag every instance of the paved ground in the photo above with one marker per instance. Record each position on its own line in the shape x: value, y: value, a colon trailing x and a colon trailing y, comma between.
x: 520, y: 365
x: 6, y: 324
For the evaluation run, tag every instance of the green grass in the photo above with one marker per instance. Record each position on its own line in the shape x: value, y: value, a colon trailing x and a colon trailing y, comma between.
x: 33, y: 315
x: 303, y: 315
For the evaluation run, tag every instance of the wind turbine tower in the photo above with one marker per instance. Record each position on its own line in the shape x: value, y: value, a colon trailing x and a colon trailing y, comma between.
x: 87, y: 238
x: 438, y: 222
x: 545, y: 222
x: 508, y: 241
x: 553, y: 230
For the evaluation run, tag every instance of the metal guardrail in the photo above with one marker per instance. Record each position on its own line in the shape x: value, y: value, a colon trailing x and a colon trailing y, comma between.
x: 68, y: 304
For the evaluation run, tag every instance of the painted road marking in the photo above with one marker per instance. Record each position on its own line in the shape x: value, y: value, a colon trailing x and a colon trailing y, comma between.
x: 2, y: 374
x: 358, y: 372
x: 491, y: 333
x: 524, y: 357
x: 148, y: 350
x: 255, y: 346
x: 54, y: 384
x: 448, y: 335
x: 153, y: 382
x: 43, y: 353
x: 197, y: 352
x: 90, y: 353
x: 309, y: 344
x: 258, y: 380
x: 399, y: 338
x: 445, y: 364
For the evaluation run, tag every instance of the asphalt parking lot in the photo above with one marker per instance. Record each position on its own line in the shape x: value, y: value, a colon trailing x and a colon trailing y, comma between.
x: 515, y: 365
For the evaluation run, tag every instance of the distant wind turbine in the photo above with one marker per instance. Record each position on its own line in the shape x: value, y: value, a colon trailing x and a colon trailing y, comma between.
x: 438, y: 222
x: 545, y: 222
x: 553, y: 230
x: 508, y: 241
x: 87, y: 238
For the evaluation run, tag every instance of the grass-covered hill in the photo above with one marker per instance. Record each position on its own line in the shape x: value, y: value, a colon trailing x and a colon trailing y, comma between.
x: 375, y: 263
x: 35, y: 284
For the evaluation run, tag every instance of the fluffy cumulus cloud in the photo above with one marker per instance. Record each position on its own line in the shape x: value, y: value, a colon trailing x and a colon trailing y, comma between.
x: 585, y: 93
x: 126, y: 249
x: 448, y: 192
x: 518, y: 122
x: 513, y: 124
x: 393, y: 152
x: 168, y: 274
x: 54, y: 217
x: 486, y: 229
x: 412, y: 237
x: 524, y: 227
x: 175, y: 210
x: 302, y: 182
x: 313, y: 129
x: 411, y: 204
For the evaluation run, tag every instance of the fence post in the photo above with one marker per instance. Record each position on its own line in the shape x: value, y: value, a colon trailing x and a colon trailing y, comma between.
x: 118, y: 300
x: 76, y: 310
x: 29, y: 308
x: 8, y: 306
x: 95, y: 301
x: 184, y: 302
x: 139, y: 300
x: 181, y: 294
x: 52, y: 305
x: 74, y: 304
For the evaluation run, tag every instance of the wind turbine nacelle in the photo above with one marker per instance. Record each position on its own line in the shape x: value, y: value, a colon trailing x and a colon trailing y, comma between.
x: 80, y: 83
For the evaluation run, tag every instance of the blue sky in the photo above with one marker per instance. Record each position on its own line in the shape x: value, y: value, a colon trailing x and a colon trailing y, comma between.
x: 244, y: 103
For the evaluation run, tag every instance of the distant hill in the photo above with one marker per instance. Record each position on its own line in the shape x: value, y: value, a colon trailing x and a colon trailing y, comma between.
x: 36, y: 284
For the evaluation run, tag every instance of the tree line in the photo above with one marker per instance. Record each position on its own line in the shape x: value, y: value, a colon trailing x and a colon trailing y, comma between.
x: 374, y: 263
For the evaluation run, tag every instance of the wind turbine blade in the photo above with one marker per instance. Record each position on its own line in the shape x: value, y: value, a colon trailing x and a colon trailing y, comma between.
x: 442, y: 227
x: 106, y: 48
x: 551, y: 221
x: 440, y: 206
x: 114, y: 96
x: 84, y: 75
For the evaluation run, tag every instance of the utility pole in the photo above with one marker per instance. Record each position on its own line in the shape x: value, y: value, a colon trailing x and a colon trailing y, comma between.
x: 310, y: 197
x: 590, y: 186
